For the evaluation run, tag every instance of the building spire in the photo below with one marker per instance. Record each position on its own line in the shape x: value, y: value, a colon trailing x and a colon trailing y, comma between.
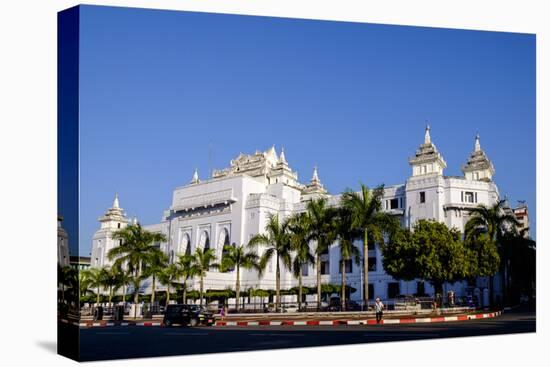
x: 477, y: 146
x: 315, y: 177
x: 427, y: 138
x: 195, y: 178
x: 282, y: 158
x: 115, y: 201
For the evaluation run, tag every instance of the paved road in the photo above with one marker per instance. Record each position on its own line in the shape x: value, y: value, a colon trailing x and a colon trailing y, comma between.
x: 134, y: 341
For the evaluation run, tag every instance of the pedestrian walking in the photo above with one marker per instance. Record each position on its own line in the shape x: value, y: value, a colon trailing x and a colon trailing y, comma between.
x: 378, y: 307
x: 222, y: 312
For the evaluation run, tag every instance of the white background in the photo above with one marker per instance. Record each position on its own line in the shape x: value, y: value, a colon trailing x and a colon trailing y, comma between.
x: 28, y: 180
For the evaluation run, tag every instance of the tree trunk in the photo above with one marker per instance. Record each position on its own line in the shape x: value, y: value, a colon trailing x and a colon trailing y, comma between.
x: 154, y: 289
x: 238, y: 288
x: 278, y: 286
x: 136, y: 290
x: 300, y: 291
x: 124, y: 294
x: 366, y: 270
x: 167, y: 295
x: 343, y: 290
x: 318, y: 266
x: 97, y: 300
x: 184, y: 292
x: 110, y: 296
x: 201, y: 288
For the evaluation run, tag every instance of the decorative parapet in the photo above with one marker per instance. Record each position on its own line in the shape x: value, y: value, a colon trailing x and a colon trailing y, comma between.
x: 205, y: 200
x: 263, y: 200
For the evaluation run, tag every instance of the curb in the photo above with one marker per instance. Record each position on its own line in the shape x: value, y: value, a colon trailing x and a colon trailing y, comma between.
x: 302, y: 322
x: 360, y: 322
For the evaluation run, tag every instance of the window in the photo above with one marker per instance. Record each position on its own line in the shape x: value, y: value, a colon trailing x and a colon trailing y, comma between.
x: 120, y: 242
x: 370, y: 246
x: 422, y: 197
x: 469, y: 197
x: 372, y: 263
x: 118, y: 225
x: 325, y: 267
x: 305, y: 270
x: 347, y: 265
x: 371, y: 291
x: 393, y: 289
x: 394, y: 203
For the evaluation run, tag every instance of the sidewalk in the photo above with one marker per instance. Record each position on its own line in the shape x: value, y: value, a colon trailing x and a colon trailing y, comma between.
x: 409, y: 319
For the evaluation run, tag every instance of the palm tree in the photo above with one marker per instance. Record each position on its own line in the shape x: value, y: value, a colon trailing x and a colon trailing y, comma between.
x: 300, y: 232
x: 94, y: 278
x: 277, y: 243
x: 155, y: 264
x: 124, y: 278
x: 321, y: 218
x: 110, y: 279
x: 137, y: 246
x: 369, y: 222
x: 235, y: 258
x: 348, y: 251
x: 203, y: 261
x: 168, y: 276
x: 494, y: 222
x: 84, y: 283
x: 187, y: 269
x: 65, y: 278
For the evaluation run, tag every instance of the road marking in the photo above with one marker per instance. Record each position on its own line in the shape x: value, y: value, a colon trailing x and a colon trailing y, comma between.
x: 391, y: 335
x: 275, y: 334
x: 112, y: 333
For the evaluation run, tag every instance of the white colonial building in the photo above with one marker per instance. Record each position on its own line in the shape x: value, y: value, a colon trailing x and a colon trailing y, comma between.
x: 233, y: 205
x: 63, y: 258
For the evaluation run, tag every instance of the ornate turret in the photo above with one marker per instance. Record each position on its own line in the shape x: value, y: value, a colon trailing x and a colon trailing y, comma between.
x: 113, y: 215
x: 427, y: 160
x: 478, y: 167
x: 314, y: 187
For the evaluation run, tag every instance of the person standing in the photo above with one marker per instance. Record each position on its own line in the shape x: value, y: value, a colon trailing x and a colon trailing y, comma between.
x: 378, y: 308
x: 222, y: 312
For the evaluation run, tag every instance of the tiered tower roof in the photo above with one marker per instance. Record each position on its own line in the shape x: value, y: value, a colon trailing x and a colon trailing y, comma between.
x: 478, y: 166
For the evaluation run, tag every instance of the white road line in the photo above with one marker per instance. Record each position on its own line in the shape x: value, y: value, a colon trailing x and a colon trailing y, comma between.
x: 276, y: 334
x: 391, y: 335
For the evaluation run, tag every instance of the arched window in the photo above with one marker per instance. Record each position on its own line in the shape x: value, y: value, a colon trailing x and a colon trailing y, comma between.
x: 186, y: 244
x: 223, y: 240
x: 204, y: 241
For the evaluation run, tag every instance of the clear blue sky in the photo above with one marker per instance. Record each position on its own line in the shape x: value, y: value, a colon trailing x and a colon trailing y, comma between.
x: 157, y: 87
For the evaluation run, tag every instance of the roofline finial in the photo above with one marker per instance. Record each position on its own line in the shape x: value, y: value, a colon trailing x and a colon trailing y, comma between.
x: 427, y: 137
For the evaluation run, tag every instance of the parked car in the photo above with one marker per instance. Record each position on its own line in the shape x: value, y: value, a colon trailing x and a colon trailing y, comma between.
x: 185, y: 315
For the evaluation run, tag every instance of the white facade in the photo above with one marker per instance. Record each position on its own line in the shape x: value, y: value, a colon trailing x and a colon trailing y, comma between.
x: 62, y: 244
x: 103, y: 241
x: 233, y: 205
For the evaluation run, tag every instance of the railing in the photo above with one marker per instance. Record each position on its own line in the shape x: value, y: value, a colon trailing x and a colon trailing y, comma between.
x: 400, y: 303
